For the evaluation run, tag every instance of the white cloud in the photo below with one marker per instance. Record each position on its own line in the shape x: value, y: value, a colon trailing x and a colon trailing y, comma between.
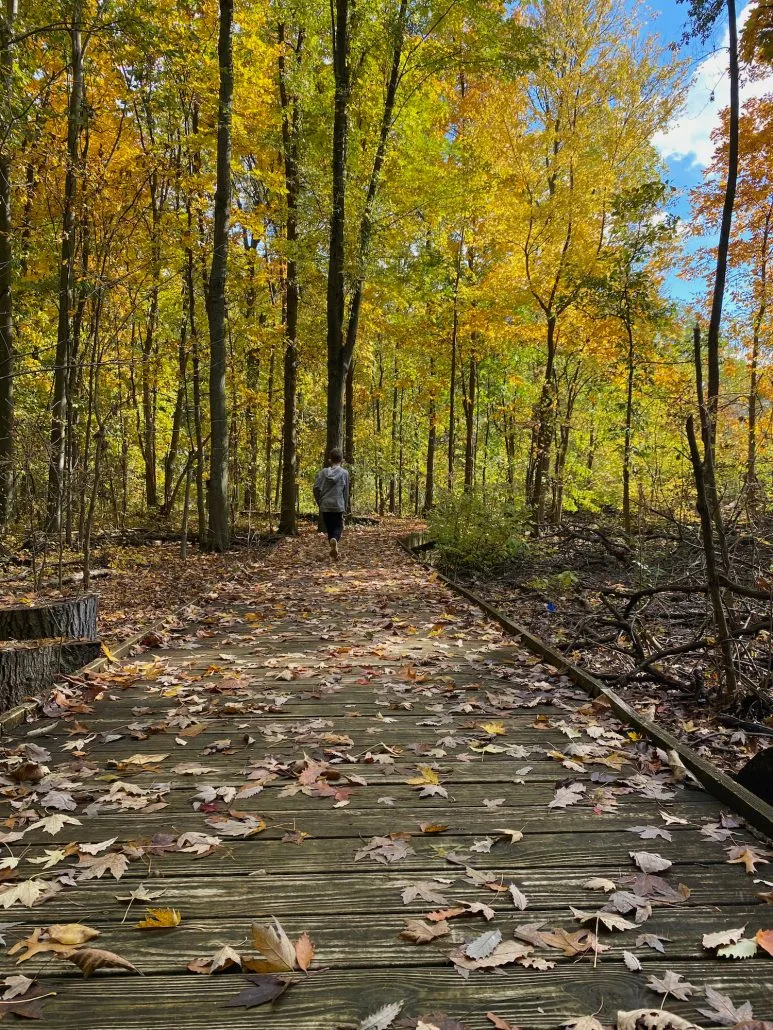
x: 689, y: 135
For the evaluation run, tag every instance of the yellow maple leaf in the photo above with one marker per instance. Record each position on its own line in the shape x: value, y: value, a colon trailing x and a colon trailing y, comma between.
x: 427, y: 776
x: 159, y: 919
x: 494, y: 729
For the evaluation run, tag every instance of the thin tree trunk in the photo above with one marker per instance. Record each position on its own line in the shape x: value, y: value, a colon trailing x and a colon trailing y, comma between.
x: 469, y: 398
x: 7, y: 20
x: 544, y: 430
x: 627, y: 442
x: 218, y: 533
x: 336, y: 371
x: 452, y: 377
x: 712, y: 576
x: 59, y: 403
x: 349, y: 435
x: 712, y: 337
x: 429, y: 482
x: 290, y: 136
x: 269, y: 440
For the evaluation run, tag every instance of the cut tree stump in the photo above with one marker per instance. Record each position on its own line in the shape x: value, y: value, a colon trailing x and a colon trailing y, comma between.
x: 73, y: 617
x: 26, y: 668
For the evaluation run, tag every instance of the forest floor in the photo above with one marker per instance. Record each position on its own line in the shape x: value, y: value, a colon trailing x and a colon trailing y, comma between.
x: 343, y: 798
x: 574, y: 590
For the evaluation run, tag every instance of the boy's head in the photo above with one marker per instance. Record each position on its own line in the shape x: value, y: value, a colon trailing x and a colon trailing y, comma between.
x: 336, y: 456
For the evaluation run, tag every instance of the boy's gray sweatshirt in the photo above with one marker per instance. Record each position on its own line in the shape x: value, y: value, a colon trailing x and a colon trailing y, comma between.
x: 331, y: 489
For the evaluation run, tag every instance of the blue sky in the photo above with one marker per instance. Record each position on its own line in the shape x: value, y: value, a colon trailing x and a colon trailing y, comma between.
x: 686, y: 146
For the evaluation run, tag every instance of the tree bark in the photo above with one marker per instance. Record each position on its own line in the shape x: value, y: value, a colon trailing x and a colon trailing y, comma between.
x: 543, y: 433
x: 712, y: 575
x: 336, y: 372
x: 469, y: 399
x: 218, y: 534
x: 290, y: 136
x: 627, y: 443
x: 7, y: 20
x: 712, y: 336
x: 60, y: 400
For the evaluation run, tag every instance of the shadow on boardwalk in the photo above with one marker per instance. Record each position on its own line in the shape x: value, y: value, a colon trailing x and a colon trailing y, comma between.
x: 348, y: 748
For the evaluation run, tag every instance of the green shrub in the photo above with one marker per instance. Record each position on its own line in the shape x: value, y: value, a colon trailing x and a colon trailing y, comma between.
x: 476, y: 534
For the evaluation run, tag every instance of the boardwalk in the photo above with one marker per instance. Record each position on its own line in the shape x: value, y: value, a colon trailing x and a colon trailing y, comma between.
x: 347, y: 749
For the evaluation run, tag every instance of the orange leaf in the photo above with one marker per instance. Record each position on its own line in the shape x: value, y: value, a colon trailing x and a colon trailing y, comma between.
x: 304, y: 951
x: 765, y: 940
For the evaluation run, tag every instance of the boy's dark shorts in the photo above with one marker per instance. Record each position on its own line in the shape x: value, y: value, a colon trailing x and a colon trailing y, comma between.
x: 334, y: 524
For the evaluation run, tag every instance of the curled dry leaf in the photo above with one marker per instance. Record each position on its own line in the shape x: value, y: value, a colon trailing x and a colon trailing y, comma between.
x: 73, y: 934
x: 91, y: 959
x: 631, y: 962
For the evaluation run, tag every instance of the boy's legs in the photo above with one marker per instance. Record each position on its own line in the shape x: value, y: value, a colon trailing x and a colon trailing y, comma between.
x: 334, y: 524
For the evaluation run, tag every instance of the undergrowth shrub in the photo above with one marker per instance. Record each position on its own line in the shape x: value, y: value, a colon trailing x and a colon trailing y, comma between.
x: 476, y: 534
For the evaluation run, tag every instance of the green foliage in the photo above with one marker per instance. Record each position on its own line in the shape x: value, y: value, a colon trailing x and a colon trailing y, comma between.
x: 476, y: 533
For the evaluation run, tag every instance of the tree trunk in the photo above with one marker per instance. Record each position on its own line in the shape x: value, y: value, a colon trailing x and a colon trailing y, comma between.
x: 72, y: 617
x: 720, y: 275
x: 290, y: 138
x: 469, y: 398
x: 349, y: 430
x: 218, y: 534
x: 429, y: 482
x: 59, y: 402
x: 712, y: 576
x: 336, y: 372
x: 543, y: 433
x: 269, y: 440
x: 7, y: 20
x: 452, y: 377
x: 628, y: 429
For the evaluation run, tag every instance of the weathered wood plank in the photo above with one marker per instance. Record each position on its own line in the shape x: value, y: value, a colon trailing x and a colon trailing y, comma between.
x: 331, y: 999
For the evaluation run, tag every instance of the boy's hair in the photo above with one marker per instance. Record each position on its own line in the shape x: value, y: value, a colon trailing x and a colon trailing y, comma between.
x: 336, y: 456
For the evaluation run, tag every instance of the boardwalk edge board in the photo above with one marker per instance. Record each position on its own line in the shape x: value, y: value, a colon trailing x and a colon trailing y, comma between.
x: 742, y: 801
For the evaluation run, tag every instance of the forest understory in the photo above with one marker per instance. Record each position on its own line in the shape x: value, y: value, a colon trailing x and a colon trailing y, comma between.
x: 634, y: 612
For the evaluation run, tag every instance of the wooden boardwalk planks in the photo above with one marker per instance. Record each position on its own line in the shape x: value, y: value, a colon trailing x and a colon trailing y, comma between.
x: 316, y: 694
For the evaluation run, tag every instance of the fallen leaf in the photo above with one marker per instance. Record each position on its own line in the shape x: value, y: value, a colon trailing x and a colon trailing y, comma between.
x: 650, y: 862
x: 504, y: 953
x: 672, y: 983
x: 716, y: 940
x: 519, y: 900
x: 483, y: 945
x: 73, y: 934
x: 304, y: 952
x: 274, y: 944
x: 159, y: 919
x: 723, y: 1011
x: 631, y: 962
x: 611, y: 920
x: 90, y: 959
x: 765, y: 940
x: 261, y: 990
x: 382, y: 1018
x: 743, y: 949
x: 419, y: 932
x: 748, y: 857
x: 652, y: 1019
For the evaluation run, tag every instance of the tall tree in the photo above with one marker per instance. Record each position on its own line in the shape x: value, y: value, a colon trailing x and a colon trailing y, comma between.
x: 218, y: 533
x: 62, y: 372
x: 7, y: 26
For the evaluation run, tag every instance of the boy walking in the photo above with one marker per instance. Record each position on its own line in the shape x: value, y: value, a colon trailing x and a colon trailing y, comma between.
x: 331, y: 492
